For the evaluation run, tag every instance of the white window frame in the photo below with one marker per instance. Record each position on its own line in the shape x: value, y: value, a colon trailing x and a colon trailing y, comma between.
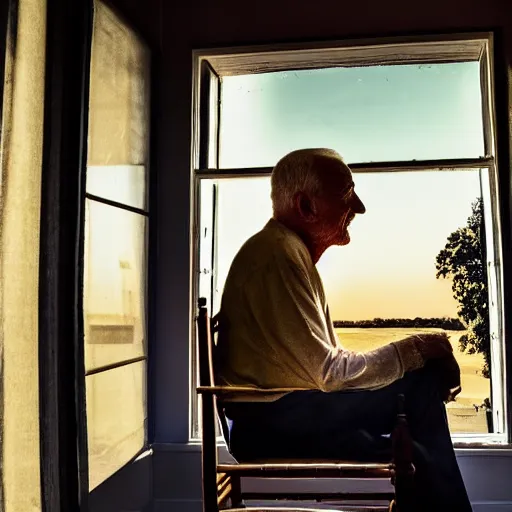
x: 209, y: 68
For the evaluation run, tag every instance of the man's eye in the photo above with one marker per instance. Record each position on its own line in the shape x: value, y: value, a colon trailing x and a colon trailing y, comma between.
x: 348, y: 196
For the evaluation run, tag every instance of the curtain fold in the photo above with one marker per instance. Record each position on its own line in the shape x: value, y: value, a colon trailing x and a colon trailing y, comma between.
x: 20, y: 199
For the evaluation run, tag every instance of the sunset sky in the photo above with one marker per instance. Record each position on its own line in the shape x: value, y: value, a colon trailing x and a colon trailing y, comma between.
x: 367, y: 114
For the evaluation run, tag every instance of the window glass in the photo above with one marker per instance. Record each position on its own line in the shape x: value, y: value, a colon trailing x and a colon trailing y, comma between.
x: 207, y: 192
x: 388, y: 271
x: 116, y: 416
x: 114, y: 301
x: 118, y: 111
x: 124, y: 184
x: 368, y: 114
x: 114, y: 285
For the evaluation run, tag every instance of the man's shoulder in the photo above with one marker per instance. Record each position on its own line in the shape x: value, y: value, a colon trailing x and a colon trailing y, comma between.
x: 274, y: 245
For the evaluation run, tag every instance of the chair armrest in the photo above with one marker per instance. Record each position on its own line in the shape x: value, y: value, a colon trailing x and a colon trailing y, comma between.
x: 221, y: 390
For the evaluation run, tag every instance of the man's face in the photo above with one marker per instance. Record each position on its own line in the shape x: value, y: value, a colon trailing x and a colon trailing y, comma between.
x: 337, y: 205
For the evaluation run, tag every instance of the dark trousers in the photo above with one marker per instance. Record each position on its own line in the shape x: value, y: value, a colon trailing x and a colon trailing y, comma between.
x: 356, y: 425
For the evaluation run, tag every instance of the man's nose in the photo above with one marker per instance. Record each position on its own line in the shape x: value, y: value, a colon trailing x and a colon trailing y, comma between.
x: 357, y: 205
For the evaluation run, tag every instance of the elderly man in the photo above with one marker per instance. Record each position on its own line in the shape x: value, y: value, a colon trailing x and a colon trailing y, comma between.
x: 277, y: 333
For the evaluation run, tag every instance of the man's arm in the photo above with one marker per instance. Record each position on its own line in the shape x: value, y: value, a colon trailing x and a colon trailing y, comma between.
x: 296, y: 326
x: 293, y: 323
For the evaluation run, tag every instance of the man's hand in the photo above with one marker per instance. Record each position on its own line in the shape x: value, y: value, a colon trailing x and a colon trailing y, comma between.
x: 433, y: 346
x: 437, y: 352
x: 447, y: 373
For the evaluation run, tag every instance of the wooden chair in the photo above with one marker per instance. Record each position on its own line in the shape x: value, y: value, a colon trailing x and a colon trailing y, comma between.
x: 222, y: 482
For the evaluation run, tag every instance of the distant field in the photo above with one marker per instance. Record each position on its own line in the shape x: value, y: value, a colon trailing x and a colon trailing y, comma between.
x: 462, y: 415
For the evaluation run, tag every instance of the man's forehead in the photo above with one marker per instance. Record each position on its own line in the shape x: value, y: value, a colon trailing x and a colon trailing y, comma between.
x: 336, y: 173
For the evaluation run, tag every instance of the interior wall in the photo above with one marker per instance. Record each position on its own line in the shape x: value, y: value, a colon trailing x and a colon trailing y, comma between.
x: 177, y: 480
x: 202, y: 24
x: 145, y: 17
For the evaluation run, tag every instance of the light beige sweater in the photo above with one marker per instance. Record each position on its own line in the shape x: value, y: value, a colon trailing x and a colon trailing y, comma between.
x: 277, y: 331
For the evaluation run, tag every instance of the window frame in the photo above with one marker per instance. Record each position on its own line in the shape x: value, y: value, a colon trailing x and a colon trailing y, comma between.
x: 440, y: 48
x: 145, y: 213
x: 63, y: 385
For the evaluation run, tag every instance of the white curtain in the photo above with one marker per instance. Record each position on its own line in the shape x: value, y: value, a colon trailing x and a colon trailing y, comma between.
x: 20, y: 187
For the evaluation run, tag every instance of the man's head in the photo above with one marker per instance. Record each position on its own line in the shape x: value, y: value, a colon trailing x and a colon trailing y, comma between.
x: 313, y: 194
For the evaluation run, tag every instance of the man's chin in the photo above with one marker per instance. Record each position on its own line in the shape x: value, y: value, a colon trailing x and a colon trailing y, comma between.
x: 344, y: 239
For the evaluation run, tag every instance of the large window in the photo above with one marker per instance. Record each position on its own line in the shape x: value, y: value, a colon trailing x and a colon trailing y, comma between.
x: 114, y: 301
x: 414, y: 121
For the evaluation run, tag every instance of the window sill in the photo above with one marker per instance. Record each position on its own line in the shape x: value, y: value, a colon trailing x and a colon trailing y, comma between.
x: 462, y: 448
x: 194, y: 445
x: 480, y: 441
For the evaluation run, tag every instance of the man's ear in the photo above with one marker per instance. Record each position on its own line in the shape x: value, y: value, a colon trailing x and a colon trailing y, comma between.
x: 305, y: 206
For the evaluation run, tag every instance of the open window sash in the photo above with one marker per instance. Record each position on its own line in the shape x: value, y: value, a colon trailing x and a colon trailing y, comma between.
x: 495, y: 296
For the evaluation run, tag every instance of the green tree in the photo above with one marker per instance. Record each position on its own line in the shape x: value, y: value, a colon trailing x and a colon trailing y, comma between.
x: 463, y: 259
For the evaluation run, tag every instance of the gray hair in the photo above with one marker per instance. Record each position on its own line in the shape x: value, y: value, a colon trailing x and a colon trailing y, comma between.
x: 298, y: 171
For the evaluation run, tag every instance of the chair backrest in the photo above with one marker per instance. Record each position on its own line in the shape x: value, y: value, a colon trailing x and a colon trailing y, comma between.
x: 206, y: 345
x: 208, y: 405
x: 207, y: 331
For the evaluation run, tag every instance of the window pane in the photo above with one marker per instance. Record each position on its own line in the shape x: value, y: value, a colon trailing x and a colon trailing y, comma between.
x: 118, y: 111
x: 125, y: 184
x: 114, y: 285
x: 375, y: 113
x: 206, y: 222
x: 116, y: 418
x: 22, y: 97
x: 388, y: 270
x: 243, y: 208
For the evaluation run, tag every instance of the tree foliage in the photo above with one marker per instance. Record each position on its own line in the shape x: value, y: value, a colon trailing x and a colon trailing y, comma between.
x: 448, y: 324
x: 463, y: 260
